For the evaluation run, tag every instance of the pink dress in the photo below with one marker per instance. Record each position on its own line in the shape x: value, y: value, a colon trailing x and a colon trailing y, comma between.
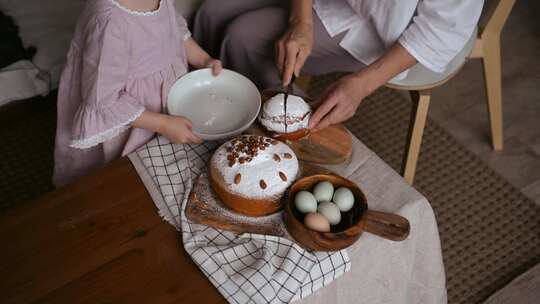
x: 120, y: 63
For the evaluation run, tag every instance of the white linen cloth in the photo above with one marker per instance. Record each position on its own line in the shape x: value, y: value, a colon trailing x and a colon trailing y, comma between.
x: 433, y: 31
x: 382, y: 271
x: 246, y: 268
x: 22, y: 80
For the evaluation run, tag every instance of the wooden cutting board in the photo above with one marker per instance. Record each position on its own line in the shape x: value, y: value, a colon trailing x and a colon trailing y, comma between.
x: 330, y: 146
x: 204, y: 207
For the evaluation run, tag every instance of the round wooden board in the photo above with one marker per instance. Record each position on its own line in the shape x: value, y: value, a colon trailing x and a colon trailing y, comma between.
x: 204, y: 207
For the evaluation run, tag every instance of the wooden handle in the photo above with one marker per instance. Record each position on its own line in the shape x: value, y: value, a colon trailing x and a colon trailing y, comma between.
x: 386, y: 225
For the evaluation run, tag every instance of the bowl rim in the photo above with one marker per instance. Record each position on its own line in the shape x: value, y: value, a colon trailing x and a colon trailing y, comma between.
x: 290, y: 202
x: 229, y: 133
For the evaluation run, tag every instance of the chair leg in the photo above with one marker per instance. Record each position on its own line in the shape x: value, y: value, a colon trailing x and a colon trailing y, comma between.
x: 492, y: 75
x: 420, y: 101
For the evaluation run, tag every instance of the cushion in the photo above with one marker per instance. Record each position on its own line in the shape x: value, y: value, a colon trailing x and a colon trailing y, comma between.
x: 48, y: 26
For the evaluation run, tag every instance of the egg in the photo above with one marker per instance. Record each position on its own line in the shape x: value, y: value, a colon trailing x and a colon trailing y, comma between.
x: 323, y: 191
x: 316, y: 221
x: 305, y: 202
x: 344, y: 199
x: 330, y: 211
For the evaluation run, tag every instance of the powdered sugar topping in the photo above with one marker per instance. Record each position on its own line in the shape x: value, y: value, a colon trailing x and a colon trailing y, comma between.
x: 272, y: 115
x: 256, y: 166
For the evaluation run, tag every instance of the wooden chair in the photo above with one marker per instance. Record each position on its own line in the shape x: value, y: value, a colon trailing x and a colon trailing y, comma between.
x: 483, y: 44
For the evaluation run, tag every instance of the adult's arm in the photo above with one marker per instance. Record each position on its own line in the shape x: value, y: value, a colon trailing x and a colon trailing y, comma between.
x: 294, y: 47
x: 437, y: 33
x: 341, y: 100
x: 440, y: 30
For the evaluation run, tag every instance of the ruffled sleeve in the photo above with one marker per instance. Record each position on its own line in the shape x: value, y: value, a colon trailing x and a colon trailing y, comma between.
x: 106, y: 108
x: 184, y: 30
x: 440, y: 30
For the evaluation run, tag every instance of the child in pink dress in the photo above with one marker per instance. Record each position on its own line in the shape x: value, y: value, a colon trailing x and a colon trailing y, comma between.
x: 124, y: 57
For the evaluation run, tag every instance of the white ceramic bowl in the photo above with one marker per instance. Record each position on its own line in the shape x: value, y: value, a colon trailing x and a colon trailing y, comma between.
x: 219, y: 107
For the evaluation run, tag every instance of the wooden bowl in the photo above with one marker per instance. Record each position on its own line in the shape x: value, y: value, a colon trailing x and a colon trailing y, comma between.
x: 353, y: 222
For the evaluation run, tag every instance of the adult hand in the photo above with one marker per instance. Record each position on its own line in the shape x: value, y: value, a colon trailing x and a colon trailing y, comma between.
x: 178, y: 130
x: 293, y: 49
x: 214, y: 64
x: 339, y: 102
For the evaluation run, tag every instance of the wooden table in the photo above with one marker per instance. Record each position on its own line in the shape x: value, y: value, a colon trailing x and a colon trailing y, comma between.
x: 99, y: 240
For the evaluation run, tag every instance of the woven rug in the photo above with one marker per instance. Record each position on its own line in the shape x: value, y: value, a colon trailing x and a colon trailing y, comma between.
x: 490, y: 232
x: 26, y: 149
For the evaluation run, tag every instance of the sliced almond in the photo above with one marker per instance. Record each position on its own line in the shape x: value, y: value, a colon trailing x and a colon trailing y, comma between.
x: 277, y: 158
x: 283, y: 176
x: 237, y: 178
x: 262, y: 183
x: 287, y: 155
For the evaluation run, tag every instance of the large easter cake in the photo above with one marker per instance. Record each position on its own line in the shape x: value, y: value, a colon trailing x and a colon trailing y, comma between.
x: 251, y: 173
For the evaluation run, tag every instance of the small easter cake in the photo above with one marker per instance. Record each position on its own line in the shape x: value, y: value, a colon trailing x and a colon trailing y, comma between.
x: 273, y: 116
x: 250, y: 174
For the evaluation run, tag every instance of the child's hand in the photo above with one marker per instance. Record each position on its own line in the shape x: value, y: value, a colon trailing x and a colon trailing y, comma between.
x: 178, y: 130
x: 215, y: 65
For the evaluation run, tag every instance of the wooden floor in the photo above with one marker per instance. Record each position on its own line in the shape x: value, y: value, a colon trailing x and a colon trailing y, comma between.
x: 460, y: 105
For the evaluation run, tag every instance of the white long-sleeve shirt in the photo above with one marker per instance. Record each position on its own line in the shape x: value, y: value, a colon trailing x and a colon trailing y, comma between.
x: 433, y: 31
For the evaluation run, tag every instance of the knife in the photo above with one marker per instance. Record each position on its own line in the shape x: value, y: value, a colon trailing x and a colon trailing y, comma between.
x: 288, y: 91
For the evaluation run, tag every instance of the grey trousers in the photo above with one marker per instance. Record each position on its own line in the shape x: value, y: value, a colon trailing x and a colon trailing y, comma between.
x: 242, y: 33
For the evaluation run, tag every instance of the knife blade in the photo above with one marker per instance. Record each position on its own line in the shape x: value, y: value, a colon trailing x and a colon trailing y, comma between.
x: 288, y: 91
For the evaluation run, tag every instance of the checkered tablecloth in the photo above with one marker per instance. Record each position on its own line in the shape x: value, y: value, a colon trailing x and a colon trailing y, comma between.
x: 245, y: 268
x: 411, y: 271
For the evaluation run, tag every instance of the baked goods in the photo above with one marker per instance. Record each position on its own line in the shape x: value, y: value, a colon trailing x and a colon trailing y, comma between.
x: 273, y: 116
x: 251, y: 173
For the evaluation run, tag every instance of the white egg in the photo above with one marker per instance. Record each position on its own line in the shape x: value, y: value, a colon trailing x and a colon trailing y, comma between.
x: 344, y: 199
x: 305, y: 202
x: 317, y: 222
x: 330, y: 211
x: 323, y: 191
